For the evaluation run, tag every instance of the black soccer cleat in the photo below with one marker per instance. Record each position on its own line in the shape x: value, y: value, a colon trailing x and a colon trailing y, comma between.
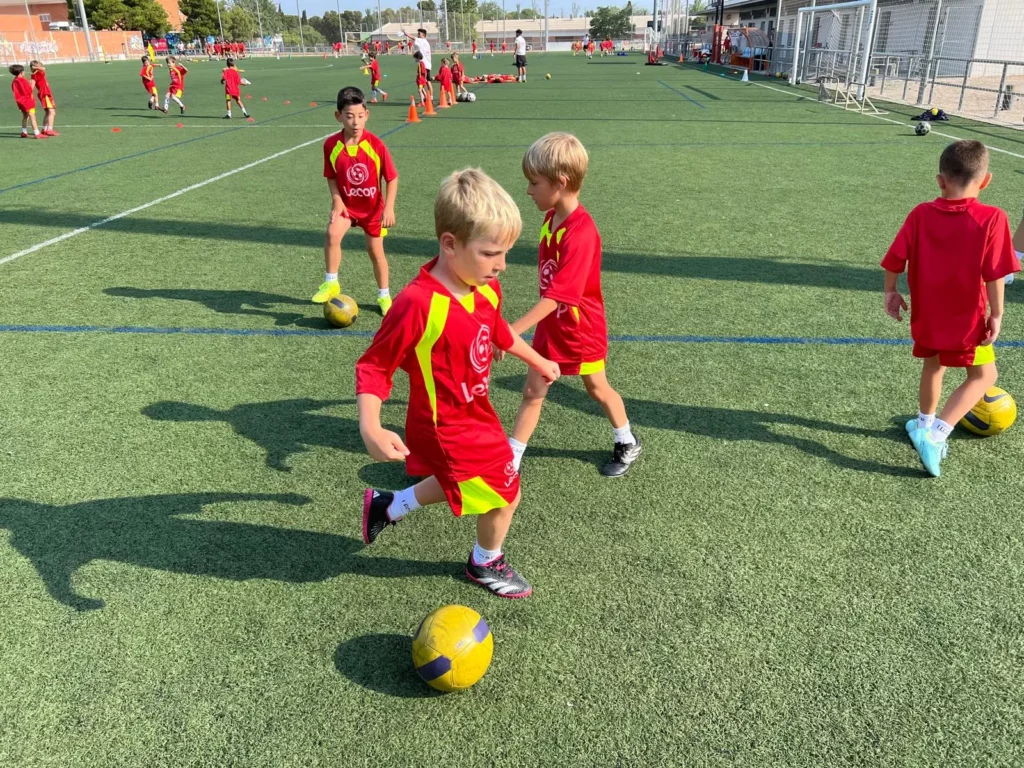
x: 622, y: 458
x: 227, y: 117
x: 499, y: 577
x: 375, y: 513
x: 183, y: 110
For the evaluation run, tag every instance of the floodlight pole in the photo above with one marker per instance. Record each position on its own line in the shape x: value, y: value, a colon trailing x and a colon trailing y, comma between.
x: 220, y: 21
x: 546, y: 31
x: 85, y: 28
x: 259, y: 19
x: 341, y: 31
x: 302, y: 41
x: 926, y: 74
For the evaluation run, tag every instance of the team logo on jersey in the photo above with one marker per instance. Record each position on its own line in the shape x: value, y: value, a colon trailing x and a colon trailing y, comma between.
x: 357, y: 174
x: 480, y: 352
x: 547, y: 273
x: 510, y: 474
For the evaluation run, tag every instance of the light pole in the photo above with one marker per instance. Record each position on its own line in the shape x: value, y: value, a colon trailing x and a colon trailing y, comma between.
x: 220, y: 21
x: 302, y: 41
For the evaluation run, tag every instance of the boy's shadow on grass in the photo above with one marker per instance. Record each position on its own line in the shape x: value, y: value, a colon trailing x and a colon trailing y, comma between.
x: 282, y: 428
x: 382, y: 663
x: 149, y: 531
x: 728, y: 424
x: 228, y: 302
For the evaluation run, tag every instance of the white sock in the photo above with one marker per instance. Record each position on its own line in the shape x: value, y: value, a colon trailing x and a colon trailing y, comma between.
x: 483, y: 556
x: 518, y: 449
x: 940, y: 430
x: 623, y: 434
x: 382, y: 292
x: 24, y: 131
x: 229, y: 113
x: 404, y: 503
x: 925, y: 420
x: 330, y: 277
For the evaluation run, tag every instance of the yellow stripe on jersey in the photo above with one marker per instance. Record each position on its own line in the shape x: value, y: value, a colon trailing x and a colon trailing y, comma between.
x: 586, y: 369
x: 478, y: 498
x: 468, y: 303
x: 490, y: 294
x: 436, y: 318
x: 576, y: 314
x: 559, y: 235
x: 338, y: 149
x: 545, y: 232
x: 365, y: 146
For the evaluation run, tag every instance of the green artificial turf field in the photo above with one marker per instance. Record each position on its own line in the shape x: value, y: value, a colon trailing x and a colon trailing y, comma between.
x: 776, y: 583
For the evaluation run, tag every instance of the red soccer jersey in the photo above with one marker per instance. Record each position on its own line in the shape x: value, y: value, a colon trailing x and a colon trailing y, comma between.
x: 359, y: 171
x: 421, y: 73
x: 232, y: 80
x: 444, y: 77
x: 474, y: 46
x: 22, y: 90
x: 42, y: 87
x: 146, y: 73
x: 444, y: 345
x: 177, y: 77
x: 952, y: 247
x: 570, y: 273
x: 458, y: 72
x: 374, y: 71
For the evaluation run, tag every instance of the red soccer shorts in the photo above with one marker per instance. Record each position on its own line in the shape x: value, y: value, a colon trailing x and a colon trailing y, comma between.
x: 958, y: 358
x: 495, y: 487
x: 371, y: 225
x: 47, y: 102
x: 27, y: 112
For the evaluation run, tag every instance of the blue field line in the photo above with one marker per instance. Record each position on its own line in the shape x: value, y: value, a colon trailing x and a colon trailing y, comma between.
x: 156, y: 149
x: 676, y: 90
x: 831, y: 341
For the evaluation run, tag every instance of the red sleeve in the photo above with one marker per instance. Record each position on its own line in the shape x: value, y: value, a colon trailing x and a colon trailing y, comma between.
x: 1000, y: 259
x: 387, y: 165
x: 896, y: 257
x: 329, y: 172
x: 574, y: 265
x: 399, y: 332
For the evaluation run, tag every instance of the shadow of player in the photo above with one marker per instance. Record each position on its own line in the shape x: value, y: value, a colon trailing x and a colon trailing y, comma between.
x: 729, y: 424
x: 227, y: 302
x: 281, y: 427
x: 149, y: 531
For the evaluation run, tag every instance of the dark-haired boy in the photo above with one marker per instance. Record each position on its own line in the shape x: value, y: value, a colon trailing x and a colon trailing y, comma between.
x: 356, y: 166
x: 958, y: 252
x: 26, y: 102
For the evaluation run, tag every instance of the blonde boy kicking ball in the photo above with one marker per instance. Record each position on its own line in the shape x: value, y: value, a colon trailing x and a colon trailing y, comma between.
x: 571, y: 327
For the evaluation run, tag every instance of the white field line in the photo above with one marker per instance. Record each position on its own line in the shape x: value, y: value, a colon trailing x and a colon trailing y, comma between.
x: 886, y: 119
x: 151, y: 203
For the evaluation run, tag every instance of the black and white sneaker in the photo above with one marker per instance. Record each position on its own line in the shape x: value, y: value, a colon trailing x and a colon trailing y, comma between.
x: 499, y: 577
x: 375, y: 513
x: 622, y: 458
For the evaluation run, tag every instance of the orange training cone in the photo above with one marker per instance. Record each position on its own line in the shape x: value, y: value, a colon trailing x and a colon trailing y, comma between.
x: 681, y: 57
x: 444, y: 100
x: 429, y: 111
x: 413, y: 115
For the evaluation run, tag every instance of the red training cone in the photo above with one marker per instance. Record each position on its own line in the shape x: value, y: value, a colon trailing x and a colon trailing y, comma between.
x: 115, y: 130
x: 413, y: 115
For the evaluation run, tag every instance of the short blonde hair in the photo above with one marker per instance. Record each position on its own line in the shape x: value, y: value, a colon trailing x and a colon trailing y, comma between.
x: 554, y: 155
x: 471, y: 205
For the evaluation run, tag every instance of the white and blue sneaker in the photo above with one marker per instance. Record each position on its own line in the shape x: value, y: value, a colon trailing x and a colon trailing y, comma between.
x: 931, y: 452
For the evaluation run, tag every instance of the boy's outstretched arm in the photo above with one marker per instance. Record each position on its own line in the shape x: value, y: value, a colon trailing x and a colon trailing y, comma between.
x: 995, y: 290
x: 526, y: 353
x: 894, y: 302
x: 540, y: 310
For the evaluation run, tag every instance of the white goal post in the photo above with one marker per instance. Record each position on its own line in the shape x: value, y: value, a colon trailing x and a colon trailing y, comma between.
x: 869, y: 43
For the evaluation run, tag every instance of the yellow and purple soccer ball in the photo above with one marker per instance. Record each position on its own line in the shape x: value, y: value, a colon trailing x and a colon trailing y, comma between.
x: 452, y: 648
x: 341, y: 311
x: 994, y: 413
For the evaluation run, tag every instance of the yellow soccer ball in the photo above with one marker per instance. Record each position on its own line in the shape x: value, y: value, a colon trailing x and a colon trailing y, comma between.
x: 452, y: 648
x: 341, y: 311
x: 935, y: 111
x: 547, y: 76
x: 994, y: 413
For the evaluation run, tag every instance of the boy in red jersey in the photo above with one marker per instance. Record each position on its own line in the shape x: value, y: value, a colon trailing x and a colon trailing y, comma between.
x: 492, y: 49
x: 959, y: 252
x: 146, y: 73
x: 421, y: 78
x: 474, y: 47
x: 45, y: 97
x: 22, y: 90
x: 458, y: 75
x: 571, y: 328
x: 232, y: 80
x: 177, y: 87
x: 504, y: 46
x: 356, y: 165
x: 375, y: 80
x: 445, y: 78
x: 441, y: 333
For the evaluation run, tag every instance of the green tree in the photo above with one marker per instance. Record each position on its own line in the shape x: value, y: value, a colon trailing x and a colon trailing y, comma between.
x: 239, y: 24
x: 327, y: 25
x: 490, y: 10
x: 611, y: 22
x: 200, y: 18
x: 145, y: 15
x: 528, y: 13
x: 426, y: 5
x: 268, y: 18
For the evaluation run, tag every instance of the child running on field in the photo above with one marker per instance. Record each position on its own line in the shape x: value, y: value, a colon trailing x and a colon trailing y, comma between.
x: 177, y: 87
x: 958, y: 252
x: 571, y: 327
x: 357, y: 165
x: 26, y: 102
x: 232, y: 80
x: 45, y: 97
x: 146, y: 73
x: 440, y: 332
x: 375, y: 80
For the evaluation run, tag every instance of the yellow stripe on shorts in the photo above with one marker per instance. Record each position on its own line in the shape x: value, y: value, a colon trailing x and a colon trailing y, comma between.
x: 478, y: 498
x: 588, y: 368
x: 984, y: 355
